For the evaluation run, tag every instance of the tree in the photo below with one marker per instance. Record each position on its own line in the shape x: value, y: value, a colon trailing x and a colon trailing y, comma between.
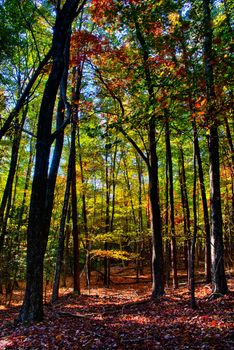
x: 32, y: 308
x: 219, y: 283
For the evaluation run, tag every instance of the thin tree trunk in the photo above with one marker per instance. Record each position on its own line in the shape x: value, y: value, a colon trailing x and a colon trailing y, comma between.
x: 140, y: 242
x: 61, y: 236
x: 200, y: 169
x: 219, y: 282
x: 129, y: 190
x: 193, y: 245
x: 75, y: 231
x: 167, y: 241
x: 186, y: 211
x: 172, y: 215
x: 65, y: 260
x: 157, y: 247
x: 205, y: 208
x: 84, y: 211
x: 106, y: 280
x: 114, y: 178
x: 77, y: 76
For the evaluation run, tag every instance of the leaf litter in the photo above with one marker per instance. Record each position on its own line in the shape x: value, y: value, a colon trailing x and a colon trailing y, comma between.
x: 125, y: 318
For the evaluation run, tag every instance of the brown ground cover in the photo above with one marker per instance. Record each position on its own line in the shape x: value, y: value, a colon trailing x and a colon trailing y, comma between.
x: 124, y: 317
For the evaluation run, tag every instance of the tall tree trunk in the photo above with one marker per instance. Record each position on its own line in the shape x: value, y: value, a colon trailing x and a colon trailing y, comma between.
x: 140, y: 241
x: 157, y: 248
x: 219, y: 282
x: 186, y: 211
x: 65, y: 260
x: 54, y: 166
x: 193, y: 245
x: 77, y: 77
x: 75, y: 231
x: 84, y: 211
x: 167, y: 249
x: 205, y: 207
x: 106, y: 280
x: 53, y: 172
x: 172, y: 215
x: 151, y: 161
x: 32, y: 308
x: 200, y: 168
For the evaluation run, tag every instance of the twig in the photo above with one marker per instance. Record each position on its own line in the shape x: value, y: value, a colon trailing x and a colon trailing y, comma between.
x: 62, y: 313
x: 136, y: 340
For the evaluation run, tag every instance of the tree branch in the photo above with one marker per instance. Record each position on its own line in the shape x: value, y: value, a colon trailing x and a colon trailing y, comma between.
x: 24, y: 95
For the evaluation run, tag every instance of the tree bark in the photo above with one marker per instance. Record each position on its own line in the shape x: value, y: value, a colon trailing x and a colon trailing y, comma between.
x: 52, y: 180
x: 205, y: 207
x: 193, y: 245
x: 32, y: 308
x: 75, y: 231
x: 84, y: 211
x: 157, y: 247
x: 106, y: 276
x: 77, y: 76
x: 172, y: 215
x: 219, y: 283
x: 186, y: 212
x: 167, y: 248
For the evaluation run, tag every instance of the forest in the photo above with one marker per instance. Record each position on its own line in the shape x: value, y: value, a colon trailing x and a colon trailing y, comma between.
x: 116, y: 174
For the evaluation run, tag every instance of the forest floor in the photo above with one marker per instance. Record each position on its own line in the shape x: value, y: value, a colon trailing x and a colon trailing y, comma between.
x: 124, y: 317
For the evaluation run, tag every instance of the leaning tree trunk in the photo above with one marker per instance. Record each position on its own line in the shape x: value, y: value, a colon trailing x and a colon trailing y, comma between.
x: 54, y: 166
x: 219, y: 282
x: 32, y: 308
